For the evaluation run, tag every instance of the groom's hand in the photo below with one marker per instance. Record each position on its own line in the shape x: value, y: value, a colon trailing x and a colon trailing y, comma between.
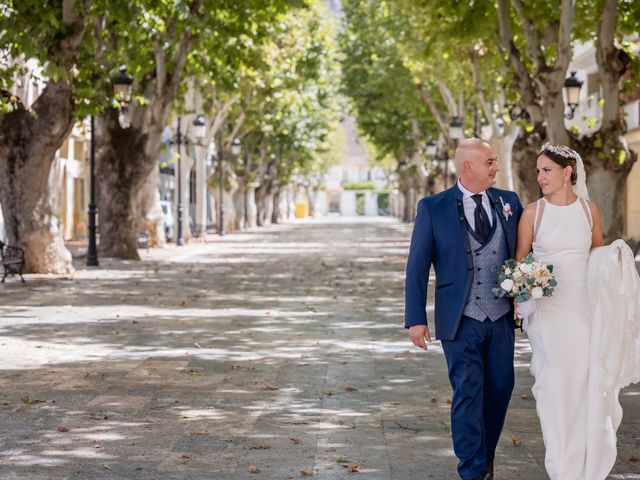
x: 420, y: 336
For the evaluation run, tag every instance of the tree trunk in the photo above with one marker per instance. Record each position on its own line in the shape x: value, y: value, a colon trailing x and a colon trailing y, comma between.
x: 311, y: 197
x: 524, y: 157
x: 262, y: 204
x: 504, y: 148
x: 275, y: 211
x: 28, y: 143
x: 121, y: 170
x: 606, y: 177
x: 238, y: 202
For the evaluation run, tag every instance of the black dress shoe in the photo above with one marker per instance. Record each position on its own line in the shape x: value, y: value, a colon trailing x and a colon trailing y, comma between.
x: 489, y: 474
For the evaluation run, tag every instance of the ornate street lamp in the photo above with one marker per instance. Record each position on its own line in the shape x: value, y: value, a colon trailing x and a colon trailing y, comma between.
x: 432, y: 153
x: 199, y: 127
x: 455, y: 129
x: 122, y: 87
x: 235, y: 151
x: 572, y: 87
x: 432, y: 148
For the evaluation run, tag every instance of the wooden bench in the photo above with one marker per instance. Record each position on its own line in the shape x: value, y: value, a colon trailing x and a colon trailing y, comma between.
x: 12, y: 259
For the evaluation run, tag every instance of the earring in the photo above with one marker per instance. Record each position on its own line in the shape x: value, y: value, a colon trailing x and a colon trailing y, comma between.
x: 564, y: 184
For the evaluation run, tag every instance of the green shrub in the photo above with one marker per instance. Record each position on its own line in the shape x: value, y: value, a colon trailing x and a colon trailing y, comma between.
x: 359, y: 186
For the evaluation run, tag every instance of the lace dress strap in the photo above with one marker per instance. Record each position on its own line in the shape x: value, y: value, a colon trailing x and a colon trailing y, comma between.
x: 538, y: 217
x: 587, y: 211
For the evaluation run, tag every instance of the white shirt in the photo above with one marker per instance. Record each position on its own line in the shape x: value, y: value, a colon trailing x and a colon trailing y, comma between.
x: 469, y: 205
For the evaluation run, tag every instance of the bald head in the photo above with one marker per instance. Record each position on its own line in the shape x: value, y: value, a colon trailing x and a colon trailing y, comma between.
x: 476, y: 163
x: 470, y: 148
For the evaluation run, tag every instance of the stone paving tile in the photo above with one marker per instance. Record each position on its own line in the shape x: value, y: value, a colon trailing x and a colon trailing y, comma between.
x: 280, y: 349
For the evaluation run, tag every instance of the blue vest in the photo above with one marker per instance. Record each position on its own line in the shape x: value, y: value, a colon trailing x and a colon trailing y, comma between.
x: 481, y: 302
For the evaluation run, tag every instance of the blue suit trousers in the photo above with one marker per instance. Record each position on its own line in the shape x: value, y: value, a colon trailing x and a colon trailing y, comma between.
x: 481, y: 372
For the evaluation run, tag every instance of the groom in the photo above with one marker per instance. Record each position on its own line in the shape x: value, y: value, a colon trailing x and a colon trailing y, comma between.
x: 464, y: 232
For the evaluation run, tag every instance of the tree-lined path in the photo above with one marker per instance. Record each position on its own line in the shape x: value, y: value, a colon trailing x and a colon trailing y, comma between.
x: 274, y: 354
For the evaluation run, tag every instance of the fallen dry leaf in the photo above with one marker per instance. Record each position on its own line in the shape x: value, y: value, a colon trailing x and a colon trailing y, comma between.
x: 434, y: 400
x: 352, y: 468
x: 268, y: 386
x: 304, y: 473
x: 448, y: 401
x: 197, y: 345
x: 633, y: 458
x: 185, y: 455
x: 516, y: 442
x: 351, y: 388
x: 295, y: 440
x: 253, y: 469
x: 525, y: 397
x: 329, y: 393
x: 97, y: 445
x: 256, y: 446
x: 63, y: 429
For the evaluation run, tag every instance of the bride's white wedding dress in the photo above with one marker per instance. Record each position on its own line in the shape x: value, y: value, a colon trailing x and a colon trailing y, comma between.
x: 560, y: 337
x: 585, y: 342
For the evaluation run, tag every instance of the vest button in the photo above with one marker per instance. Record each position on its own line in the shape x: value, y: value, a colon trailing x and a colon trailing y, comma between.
x: 479, y: 283
x: 471, y: 268
x: 468, y: 250
x: 477, y: 298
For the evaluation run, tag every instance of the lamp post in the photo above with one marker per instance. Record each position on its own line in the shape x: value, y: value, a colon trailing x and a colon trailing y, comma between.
x: 179, y: 142
x: 456, y: 133
x: 246, y: 192
x: 235, y: 150
x: 572, y: 87
x: 122, y: 86
x: 199, y: 130
x: 432, y: 153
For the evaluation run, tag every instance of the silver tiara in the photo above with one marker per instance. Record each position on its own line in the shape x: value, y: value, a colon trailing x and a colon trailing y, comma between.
x: 561, y: 150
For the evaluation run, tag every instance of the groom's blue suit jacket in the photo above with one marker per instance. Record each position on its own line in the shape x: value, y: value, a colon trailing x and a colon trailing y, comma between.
x: 440, y: 239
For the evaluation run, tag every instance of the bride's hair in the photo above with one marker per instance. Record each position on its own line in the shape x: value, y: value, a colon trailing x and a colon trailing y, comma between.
x: 563, y: 156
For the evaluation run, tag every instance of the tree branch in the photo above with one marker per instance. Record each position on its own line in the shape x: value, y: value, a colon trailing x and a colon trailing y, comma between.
x: 433, y: 108
x: 475, y: 71
x: 612, y: 63
x: 448, y: 98
x: 534, y: 50
x: 564, y: 36
x: 526, y: 86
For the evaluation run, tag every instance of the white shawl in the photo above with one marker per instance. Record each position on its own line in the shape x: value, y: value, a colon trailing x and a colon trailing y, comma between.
x: 614, y: 300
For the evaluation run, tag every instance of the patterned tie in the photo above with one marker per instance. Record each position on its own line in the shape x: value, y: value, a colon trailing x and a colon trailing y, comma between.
x: 483, y: 227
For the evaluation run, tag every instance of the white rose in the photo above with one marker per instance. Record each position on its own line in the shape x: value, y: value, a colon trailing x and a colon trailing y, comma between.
x: 525, y: 268
x: 517, y: 275
x: 507, y: 271
x: 537, y: 292
x: 507, y: 284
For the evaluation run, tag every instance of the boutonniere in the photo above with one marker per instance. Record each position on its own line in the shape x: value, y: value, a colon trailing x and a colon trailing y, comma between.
x: 506, y: 209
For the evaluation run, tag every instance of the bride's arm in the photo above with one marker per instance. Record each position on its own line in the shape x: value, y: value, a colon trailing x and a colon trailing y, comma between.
x: 596, y: 230
x: 525, y: 231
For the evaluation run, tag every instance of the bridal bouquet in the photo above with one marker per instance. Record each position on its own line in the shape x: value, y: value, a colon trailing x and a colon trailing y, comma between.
x: 524, y: 280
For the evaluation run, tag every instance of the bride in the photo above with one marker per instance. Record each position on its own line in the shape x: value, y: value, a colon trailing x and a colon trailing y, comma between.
x: 578, y: 420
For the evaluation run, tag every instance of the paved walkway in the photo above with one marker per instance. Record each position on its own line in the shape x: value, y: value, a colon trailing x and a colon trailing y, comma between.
x: 278, y: 354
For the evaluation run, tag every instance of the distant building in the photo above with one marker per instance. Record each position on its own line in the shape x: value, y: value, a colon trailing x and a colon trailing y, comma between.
x: 354, y: 186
